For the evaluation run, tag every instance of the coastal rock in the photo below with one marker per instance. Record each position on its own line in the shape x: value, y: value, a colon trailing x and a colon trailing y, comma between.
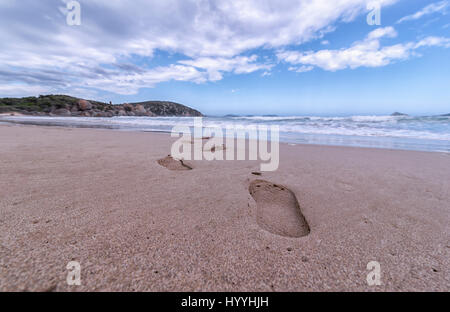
x: 84, y: 105
x: 159, y: 108
x: 63, y: 105
x: 397, y: 114
x: 140, y: 109
x: 62, y: 112
x: 102, y: 114
x: 128, y: 107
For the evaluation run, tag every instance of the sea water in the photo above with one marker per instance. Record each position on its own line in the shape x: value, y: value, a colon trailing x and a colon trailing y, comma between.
x: 393, y: 132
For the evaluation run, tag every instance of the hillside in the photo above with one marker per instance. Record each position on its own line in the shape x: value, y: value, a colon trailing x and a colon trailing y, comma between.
x: 63, y: 105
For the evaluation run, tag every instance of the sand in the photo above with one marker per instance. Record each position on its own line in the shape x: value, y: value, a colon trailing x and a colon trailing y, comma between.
x: 105, y: 199
x: 11, y: 114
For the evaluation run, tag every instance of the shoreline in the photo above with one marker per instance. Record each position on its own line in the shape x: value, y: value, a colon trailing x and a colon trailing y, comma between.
x: 283, y: 139
x: 12, y: 113
x: 105, y: 199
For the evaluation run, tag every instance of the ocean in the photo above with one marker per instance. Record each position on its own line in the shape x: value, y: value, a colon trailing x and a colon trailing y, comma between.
x: 392, y: 132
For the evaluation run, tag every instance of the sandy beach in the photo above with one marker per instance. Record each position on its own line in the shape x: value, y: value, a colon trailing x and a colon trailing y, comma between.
x: 104, y: 198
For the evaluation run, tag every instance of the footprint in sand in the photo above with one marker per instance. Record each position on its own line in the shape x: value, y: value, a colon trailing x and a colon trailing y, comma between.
x: 278, y: 210
x: 211, y: 149
x: 172, y: 164
x: 203, y: 139
x: 217, y: 148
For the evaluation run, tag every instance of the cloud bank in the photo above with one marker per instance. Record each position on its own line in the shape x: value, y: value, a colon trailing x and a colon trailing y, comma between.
x: 204, y: 40
x: 436, y: 7
x: 366, y: 53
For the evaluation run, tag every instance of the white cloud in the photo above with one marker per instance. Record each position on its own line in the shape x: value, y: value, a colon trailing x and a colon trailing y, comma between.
x: 433, y: 42
x: 382, y: 32
x: 130, y: 83
x: 301, y: 69
x: 366, y: 53
x: 210, y: 35
x: 14, y: 90
x: 440, y: 6
x: 237, y: 65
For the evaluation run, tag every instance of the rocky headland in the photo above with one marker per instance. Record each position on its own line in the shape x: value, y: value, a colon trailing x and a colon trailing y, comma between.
x: 67, y: 106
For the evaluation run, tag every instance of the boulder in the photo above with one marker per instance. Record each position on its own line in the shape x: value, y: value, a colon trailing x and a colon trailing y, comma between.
x: 84, y: 105
x: 62, y: 112
x: 100, y: 114
x: 140, y: 109
x: 128, y: 107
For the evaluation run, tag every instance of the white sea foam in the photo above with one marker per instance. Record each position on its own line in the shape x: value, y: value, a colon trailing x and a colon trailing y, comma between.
x: 432, y: 131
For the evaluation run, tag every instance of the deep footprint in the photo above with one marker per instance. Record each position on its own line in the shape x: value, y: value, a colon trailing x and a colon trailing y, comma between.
x: 172, y: 164
x: 278, y: 210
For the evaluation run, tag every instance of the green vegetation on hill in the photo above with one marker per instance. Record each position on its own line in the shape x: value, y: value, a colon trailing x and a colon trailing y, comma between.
x: 43, y: 103
x: 63, y: 105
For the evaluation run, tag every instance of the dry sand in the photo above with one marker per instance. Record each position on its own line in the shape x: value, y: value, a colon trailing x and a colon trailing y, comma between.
x: 11, y: 114
x: 101, y: 198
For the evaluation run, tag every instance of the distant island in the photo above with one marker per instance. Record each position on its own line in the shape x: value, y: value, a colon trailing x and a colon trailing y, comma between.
x: 67, y: 106
x: 398, y: 114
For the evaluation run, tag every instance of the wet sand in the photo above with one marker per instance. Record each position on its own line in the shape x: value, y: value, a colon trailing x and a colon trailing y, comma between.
x: 104, y: 198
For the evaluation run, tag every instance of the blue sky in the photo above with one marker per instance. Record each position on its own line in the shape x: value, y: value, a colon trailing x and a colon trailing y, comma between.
x: 233, y: 57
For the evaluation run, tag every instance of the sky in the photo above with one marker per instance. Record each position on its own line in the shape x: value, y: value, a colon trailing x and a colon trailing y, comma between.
x: 283, y: 57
